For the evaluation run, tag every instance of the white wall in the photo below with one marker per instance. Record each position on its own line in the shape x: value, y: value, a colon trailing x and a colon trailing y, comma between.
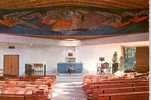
x: 50, y: 56
x: 89, y: 55
x: 50, y: 52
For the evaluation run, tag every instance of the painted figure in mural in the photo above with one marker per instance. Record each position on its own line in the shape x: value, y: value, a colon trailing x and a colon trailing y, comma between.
x: 66, y: 20
x: 73, y: 20
x: 8, y: 22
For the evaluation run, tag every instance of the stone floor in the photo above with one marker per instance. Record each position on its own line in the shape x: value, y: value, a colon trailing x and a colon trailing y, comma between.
x: 68, y: 87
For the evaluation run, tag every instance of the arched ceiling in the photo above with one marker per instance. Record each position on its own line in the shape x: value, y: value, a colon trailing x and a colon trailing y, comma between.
x: 77, y: 19
x: 124, y: 4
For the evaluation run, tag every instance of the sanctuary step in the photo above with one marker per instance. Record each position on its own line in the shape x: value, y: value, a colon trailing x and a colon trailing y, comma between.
x: 68, y: 91
x: 70, y: 77
x: 68, y: 87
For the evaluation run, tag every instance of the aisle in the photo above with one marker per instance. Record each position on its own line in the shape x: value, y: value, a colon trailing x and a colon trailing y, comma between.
x: 68, y: 88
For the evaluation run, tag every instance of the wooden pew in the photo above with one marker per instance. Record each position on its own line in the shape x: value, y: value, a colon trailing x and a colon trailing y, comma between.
x: 36, y: 89
x: 11, y: 97
x: 131, y: 96
x: 125, y: 96
x: 141, y: 83
x: 141, y: 88
x: 29, y: 97
x: 117, y: 90
x: 94, y: 86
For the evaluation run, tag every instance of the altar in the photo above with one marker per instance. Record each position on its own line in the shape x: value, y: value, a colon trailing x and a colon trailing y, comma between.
x: 64, y: 67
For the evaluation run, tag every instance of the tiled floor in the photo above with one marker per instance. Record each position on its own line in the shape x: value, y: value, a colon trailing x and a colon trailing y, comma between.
x: 68, y: 88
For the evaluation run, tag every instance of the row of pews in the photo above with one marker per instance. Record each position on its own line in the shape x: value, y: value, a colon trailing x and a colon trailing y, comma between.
x: 27, y: 88
x: 116, y: 89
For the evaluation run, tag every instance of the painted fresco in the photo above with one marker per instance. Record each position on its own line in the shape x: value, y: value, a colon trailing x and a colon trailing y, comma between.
x: 73, y: 21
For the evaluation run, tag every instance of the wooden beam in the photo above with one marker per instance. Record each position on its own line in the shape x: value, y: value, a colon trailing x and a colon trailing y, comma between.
x: 124, y: 4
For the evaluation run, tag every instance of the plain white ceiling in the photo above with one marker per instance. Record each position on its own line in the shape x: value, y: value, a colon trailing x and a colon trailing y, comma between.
x: 126, y: 40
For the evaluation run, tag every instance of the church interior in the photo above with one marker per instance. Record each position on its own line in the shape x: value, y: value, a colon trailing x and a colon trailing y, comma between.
x: 74, y: 50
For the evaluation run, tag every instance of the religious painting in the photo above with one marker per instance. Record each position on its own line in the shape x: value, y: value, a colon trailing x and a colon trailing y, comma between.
x: 73, y: 21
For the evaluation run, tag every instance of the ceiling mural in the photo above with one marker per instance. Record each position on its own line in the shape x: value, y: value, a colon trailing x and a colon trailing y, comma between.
x: 73, y: 21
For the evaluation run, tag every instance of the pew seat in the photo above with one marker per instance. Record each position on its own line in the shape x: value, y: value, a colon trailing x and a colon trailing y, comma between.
x: 125, y: 96
x: 11, y: 97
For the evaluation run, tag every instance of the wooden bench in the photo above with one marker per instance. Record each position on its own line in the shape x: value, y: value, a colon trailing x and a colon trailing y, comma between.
x: 118, y: 90
x: 94, y: 86
x: 16, y: 89
x: 124, y: 96
x: 11, y: 97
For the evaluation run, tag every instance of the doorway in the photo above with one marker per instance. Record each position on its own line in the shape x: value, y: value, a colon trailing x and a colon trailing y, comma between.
x: 11, y: 65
